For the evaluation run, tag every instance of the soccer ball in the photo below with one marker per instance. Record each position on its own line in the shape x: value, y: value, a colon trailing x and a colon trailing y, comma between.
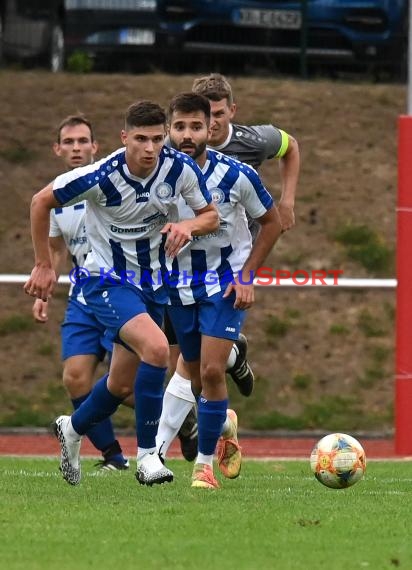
x: 338, y: 461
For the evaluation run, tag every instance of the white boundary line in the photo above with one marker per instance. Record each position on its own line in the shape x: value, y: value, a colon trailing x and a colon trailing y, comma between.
x: 15, y: 278
x: 245, y: 458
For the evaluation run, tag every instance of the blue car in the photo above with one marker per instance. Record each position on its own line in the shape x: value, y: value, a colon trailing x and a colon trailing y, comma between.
x: 325, y: 30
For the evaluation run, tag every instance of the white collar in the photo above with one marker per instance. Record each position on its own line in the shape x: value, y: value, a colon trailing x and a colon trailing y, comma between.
x: 229, y: 136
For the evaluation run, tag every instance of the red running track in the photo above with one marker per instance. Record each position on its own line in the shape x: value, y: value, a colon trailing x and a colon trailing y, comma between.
x: 252, y: 447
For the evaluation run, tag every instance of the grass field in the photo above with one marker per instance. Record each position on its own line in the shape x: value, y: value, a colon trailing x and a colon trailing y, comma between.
x: 275, y: 516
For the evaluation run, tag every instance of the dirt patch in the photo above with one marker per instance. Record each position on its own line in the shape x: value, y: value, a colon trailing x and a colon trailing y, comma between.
x: 324, y: 358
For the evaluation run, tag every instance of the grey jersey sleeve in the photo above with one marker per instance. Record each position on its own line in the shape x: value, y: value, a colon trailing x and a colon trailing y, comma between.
x: 270, y: 138
x: 254, y: 144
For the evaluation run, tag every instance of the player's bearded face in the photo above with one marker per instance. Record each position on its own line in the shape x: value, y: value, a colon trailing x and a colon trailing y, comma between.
x: 189, y: 133
x: 192, y: 149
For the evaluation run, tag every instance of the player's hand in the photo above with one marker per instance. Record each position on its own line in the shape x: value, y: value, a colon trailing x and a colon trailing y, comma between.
x: 287, y: 216
x: 41, y: 282
x: 245, y: 293
x: 178, y: 235
x: 39, y: 311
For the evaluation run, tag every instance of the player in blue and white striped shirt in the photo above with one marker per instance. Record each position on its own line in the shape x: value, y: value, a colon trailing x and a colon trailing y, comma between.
x: 131, y: 222
x: 83, y: 341
x: 212, y: 260
x: 253, y: 145
x: 212, y: 285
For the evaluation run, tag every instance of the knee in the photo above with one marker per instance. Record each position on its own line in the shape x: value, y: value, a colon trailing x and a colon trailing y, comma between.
x: 121, y: 384
x: 212, y: 375
x: 76, y: 382
x: 124, y: 393
x: 157, y: 354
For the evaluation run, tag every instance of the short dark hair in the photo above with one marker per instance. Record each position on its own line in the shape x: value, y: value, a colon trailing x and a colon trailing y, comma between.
x: 214, y: 86
x: 144, y: 114
x: 73, y: 121
x: 189, y: 102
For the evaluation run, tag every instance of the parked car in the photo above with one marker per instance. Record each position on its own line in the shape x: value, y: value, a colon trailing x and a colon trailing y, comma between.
x: 358, y: 31
x: 49, y: 31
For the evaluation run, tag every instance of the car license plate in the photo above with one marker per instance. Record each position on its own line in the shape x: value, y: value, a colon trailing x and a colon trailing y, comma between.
x: 137, y: 37
x: 130, y: 5
x: 280, y: 19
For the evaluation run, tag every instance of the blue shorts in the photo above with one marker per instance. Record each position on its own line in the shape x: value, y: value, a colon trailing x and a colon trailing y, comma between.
x: 212, y: 316
x: 114, y: 304
x: 81, y: 333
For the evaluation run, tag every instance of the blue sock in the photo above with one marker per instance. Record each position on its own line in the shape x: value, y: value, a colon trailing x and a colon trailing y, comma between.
x: 210, y: 419
x: 148, y: 395
x: 99, y: 406
x: 101, y: 435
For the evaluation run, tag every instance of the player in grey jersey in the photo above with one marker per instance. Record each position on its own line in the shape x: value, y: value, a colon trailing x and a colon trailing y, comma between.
x: 251, y: 144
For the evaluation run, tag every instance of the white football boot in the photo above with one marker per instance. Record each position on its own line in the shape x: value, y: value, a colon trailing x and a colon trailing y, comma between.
x: 70, y: 451
x: 151, y: 471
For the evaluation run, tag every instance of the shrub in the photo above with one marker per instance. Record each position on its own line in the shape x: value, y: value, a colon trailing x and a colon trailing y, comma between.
x: 46, y: 349
x: 17, y: 153
x: 371, y: 377
x: 276, y: 327
x: 16, y: 324
x: 79, y: 62
x: 302, y: 381
x: 370, y: 325
x: 338, y: 329
x: 366, y: 247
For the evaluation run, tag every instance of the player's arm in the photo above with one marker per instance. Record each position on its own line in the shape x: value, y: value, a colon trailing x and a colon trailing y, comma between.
x: 198, y: 198
x: 43, y: 277
x: 269, y: 233
x: 58, y: 253
x: 289, y: 165
x: 268, y: 236
x: 60, y: 192
x: 206, y: 220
